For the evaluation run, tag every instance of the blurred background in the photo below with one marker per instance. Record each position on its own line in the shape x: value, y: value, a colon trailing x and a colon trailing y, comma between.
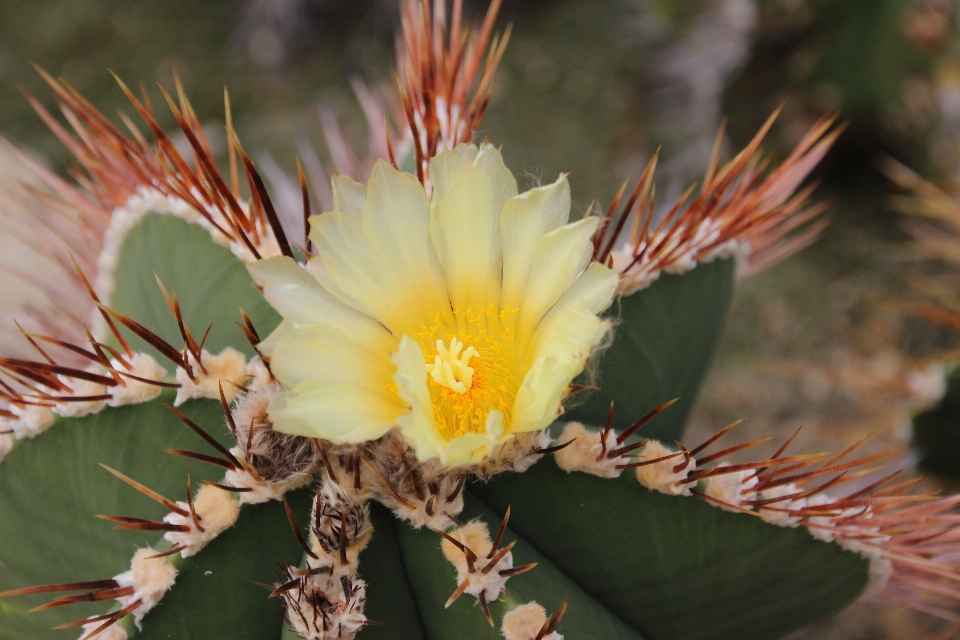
x: 593, y: 88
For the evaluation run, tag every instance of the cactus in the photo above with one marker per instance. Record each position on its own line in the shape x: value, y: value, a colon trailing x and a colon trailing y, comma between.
x: 447, y: 412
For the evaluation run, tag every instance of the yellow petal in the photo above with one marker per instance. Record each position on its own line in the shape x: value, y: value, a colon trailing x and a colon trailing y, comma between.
x: 328, y: 355
x: 355, y: 273
x: 525, y: 218
x: 561, y: 357
x: 559, y: 255
x: 396, y: 221
x: 490, y: 161
x: 417, y: 425
x: 593, y: 292
x: 560, y: 347
x: 466, y: 233
x: 349, y: 195
x: 299, y: 298
x: 445, y: 164
x: 338, y: 413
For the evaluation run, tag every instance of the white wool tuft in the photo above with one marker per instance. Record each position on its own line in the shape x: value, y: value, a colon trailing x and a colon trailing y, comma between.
x: 229, y: 366
x: 151, y: 577
x: 822, y: 526
x: 32, y: 420
x: 216, y: 510
x: 258, y: 375
x: 476, y: 537
x: 113, y: 632
x: 732, y: 488
x: 136, y: 392
x: 661, y: 476
x: 582, y: 454
x: 773, y: 512
x: 525, y: 622
x: 82, y: 388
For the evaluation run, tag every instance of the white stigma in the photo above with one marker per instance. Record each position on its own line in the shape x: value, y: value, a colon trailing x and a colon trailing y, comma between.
x: 451, y: 368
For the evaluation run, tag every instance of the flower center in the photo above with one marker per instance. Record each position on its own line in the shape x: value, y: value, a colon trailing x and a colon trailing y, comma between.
x: 472, y: 369
x: 450, y: 368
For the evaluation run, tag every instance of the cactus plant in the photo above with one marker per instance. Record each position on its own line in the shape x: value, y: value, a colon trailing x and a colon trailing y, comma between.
x: 422, y: 418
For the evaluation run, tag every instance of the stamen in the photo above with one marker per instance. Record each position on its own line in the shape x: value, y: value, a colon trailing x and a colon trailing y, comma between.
x: 450, y: 368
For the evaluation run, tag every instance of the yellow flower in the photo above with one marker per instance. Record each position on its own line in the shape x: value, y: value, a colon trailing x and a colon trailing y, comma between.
x: 460, y: 319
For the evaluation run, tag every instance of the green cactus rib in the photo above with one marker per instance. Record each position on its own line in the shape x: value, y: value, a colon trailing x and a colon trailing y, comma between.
x: 220, y: 592
x: 208, y: 280
x: 433, y: 579
x: 677, y: 567
x: 52, y: 487
x: 663, y: 344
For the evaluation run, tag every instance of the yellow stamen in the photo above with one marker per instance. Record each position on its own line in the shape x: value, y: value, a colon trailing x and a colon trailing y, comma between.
x: 450, y: 367
x: 476, y: 374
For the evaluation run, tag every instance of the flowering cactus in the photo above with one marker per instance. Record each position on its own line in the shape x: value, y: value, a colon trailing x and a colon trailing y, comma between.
x: 440, y: 409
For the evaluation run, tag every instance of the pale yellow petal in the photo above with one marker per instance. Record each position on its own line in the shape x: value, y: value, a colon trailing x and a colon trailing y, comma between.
x: 596, y: 288
x: 473, y: 448
x: 326, y: 354
x: 444, y: 165
x: 490, y: 161
x: 559, y: 256
x: 417, y: 425
x: 592, y: 293
x: 396, y: 221
x: 354, y: 267
x: 525, y: 218
x: 340, y: 414
x: 349, y: 195
x: 299, y: 298
x: 561, y: 356
x: 466, y: 233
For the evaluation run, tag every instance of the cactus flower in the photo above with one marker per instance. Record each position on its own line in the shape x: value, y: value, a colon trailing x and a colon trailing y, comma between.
x: 459, y: 317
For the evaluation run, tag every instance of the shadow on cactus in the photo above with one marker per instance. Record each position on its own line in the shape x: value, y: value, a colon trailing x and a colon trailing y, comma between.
x: 360, y: 432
